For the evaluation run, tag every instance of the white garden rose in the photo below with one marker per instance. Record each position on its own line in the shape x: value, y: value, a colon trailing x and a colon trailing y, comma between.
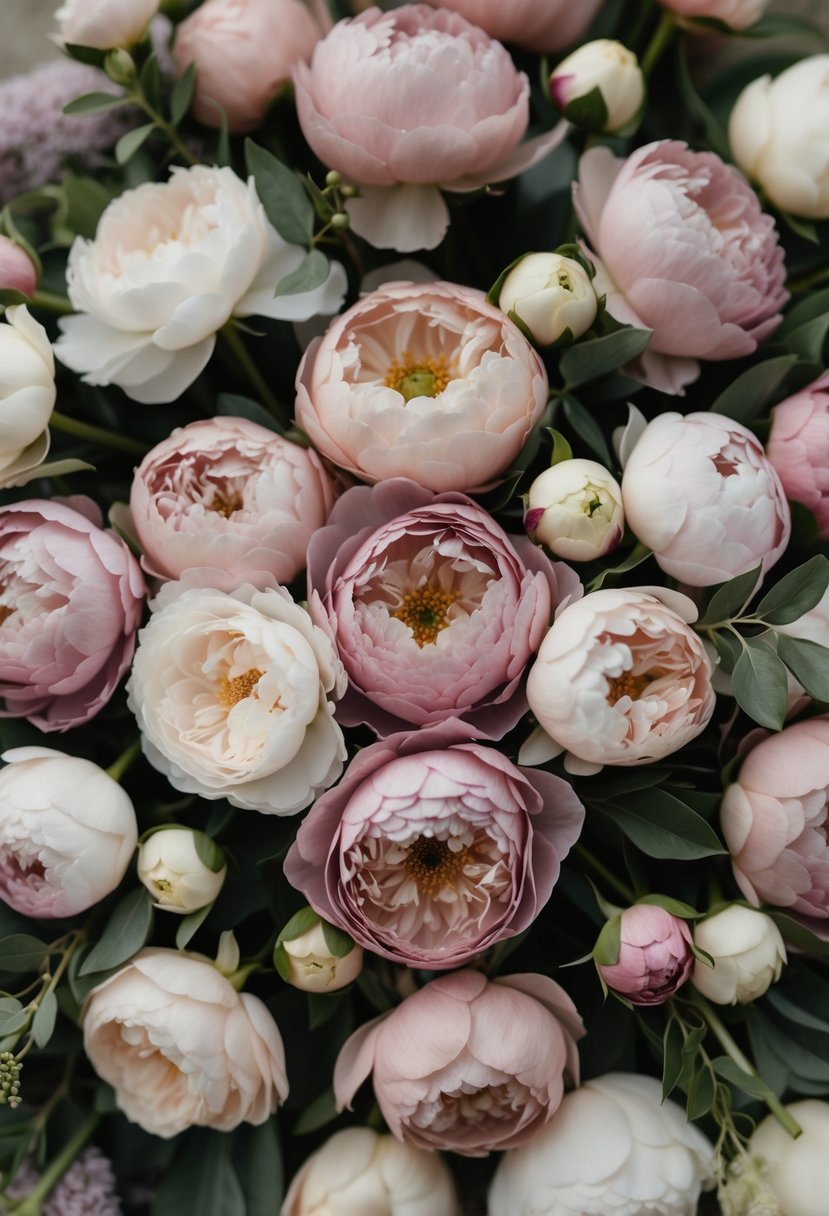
x: 231, y: 695
x: 27, y: 395
x: 181, y: 1047
x: 748, y: 953
x: 104, y: 23
x: 183, y: 870
x: 170, y: 264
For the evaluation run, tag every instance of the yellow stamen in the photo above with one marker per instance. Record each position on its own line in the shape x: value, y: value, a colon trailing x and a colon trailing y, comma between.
x: 426, y: 612
x: 5, y: 613
x: 231, y: 692
x: 225, y: 504
x: 413, y: 377
x: 433, y: 865
x: 627, y: 685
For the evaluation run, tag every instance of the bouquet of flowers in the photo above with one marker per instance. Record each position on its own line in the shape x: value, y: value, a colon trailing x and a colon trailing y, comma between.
x: 414, y: 611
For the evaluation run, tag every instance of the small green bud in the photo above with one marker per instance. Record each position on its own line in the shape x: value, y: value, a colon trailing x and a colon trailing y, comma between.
x: 340, y: 221
x: 120, y: 67
x: 333, y: 178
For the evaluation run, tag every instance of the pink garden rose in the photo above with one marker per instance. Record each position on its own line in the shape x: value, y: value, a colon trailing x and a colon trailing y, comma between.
x: 798, y: 449
x: 467, y: 1065
x: 682, y: 247
x: 413, y: 589
x: 774, y: 820
x: 655, y: 955
x: 541, y: 28
x: 422, y: 380
x: 227, y: 494
x: 431, y: 848
x: 379, y: 103
x: 739, y: 14
x: 71, y: 596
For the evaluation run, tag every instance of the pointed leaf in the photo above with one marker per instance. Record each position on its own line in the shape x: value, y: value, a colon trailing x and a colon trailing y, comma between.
x: 129, y: 144
x: 94, y: 103
x: 339, y: 943
x: 586, y: 426
x: 752, y: 393
x: 609, y: 943
x: 43, y: 1022
x: 808, y: 662
x: 21, y: 952
x: 662, y: 826
x: 760, y: 684
x: 597, y: 356
x: 282, y: 193
x: 202, y: 1180
x: 311, y: 273
x: 730, y: 598
x: 190, y: 926
x: 796, y: 593
x: 182, y: 94
x: 127, y: 931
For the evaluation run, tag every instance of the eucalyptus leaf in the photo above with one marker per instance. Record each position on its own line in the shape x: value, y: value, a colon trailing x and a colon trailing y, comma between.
x: 808, y: 662
x: 728, y: 647
x: 311, y: 273
x: 20, y: 952
x: 129, y: 144
x: 760, y: 684
x: 282, y: 194
x: 43, y: 1023
x: 596, y: 357
x: 730, y: 598
x: 796, y: 593
x: 190, y: 925
x: 128, y: 929
x: 663, y: 827
x: 94, y: 103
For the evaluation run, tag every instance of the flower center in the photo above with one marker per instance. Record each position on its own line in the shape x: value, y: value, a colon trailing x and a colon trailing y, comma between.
x: 433, y: 865
x: 418, y: 377
x: 5, y: 613
x: 627, y: 685
x: 163, y: 886
x: 426, y: 612
x: 231, y: 692
x: 226, y: 503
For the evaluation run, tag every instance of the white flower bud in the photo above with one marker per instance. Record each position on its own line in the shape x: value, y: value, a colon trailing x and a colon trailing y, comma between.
x: 748, y: 954
x: 549, y: 294
x: 795, y: 1170
x: 575, y: 509
x: 779, y: 133
x: 311, y: 965
x: 27, y: 394
x: 609, y: 67
x: 183, y: 870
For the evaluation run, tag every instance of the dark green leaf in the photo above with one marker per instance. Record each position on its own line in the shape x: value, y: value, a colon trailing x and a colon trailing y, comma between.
x: 182, y: 94
x: 662, y: 826
x: 700, y: 1094
x: 809, y: 340
x: 150, y: 81
x: 808, y: 662
x: 805, y: 229
x: 208, y: 852
x: 312, y: 271
x: 129, y: 144
x: 585, y: 425
x: 319, y: 1112
x: 756, y: 390
x: 94, y: 103
x: 373, y: 990
x: 793, y: 1013
x: 672, y: 1044
x: 202, y: 1180
x: 339, y: 943
x: 21, y: 953
x: 320, y: 202
x: 258, y: 1160
x: 715, y: 136
x: 675, y: 906
x: 796, y: 593
x: 282, y: 193
x: 127, y: 931
x: 730, y: 598
x: 190, y: 925
x: 760, y: 684
x: 85, y: 54
x: 597, y: 356
x: 754, y: 1086
x: 729, y: 648
x: 301, y: 922
x: 282, y: 963
x: 608, y: 943
x: 322, y: 1008
x: 783, y: 25
x: 588, y: 112
x: 640, y: 553
x: 231, y: 405
x: 43, y: 1023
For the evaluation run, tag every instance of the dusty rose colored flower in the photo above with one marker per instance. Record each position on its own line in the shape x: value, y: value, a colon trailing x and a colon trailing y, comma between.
x: 413, y: 588
x: 774, y: 820
x: 550, y: 26
x: 422, y: 380
x: 655, y: 956
x: 798, y: 449
x: 71, y: 596
x: 104, y: 23
x: 682, y: 247
x: 17, y: 270
x: 431, y: 848
x: 243, y: 51
x: 620, y: 678
x: 227, y: 494
x: 181, y: 1047
x: 379, y: 103
x: 465, y: 1064
x: 700, y: 492
x: 739, y: 14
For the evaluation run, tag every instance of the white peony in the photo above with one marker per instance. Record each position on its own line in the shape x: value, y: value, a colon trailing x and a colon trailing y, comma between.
x: 549, y: 294
x: 748, y: 954
x: 575, y: 509
x: 104, y: 23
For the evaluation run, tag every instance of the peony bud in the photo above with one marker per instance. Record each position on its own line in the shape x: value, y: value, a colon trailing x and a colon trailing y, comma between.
x: 655, y: 955
x: 183, y: 870
x: 575, y: 509
x: 795, y: 1170
x: 27, y: 391
x: 549, y: 295
x: 17, y: 270
x: 600, y: 86
x: 748, y: 954
x: 321, y: 958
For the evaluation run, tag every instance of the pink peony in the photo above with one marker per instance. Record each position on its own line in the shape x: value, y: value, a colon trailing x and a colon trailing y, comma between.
x: 682, y: 247
x: 798, y: 449
x: 774, y: 820
x: 410, y: 102
x: 422, y: 380
x: 431, y: 848
x: 226, y: 494
x: 465, y: 1064
x: 550, y: 26
x: 71, y: 596
x: 413, y: 589
x: 655, y: 955
x: 739, y: 14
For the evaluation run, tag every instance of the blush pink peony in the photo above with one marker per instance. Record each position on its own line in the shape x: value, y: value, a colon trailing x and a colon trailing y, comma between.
x: 798, y: 449
x: 655, y: 955
x: 467, y: 1065
x: 431, y: 848
x: 413, y: 588
x: 422, y: 380
x: 541, y: 28
x: 408, y: 103
x: 682, y: 247
x: 227, y: 494
x: 739, y: 14
x: 71, y: 597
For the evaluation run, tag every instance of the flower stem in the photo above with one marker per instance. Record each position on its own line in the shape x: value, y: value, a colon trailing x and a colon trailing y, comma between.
x: 118, y: 767
x: 604, y: 873
x: 51, y: 1176
x: 165, y: 127
x: 662, y: 36
x: 233, y: 340
x: 807, y: 281
x: 96, y: 434
x: 51, y: 301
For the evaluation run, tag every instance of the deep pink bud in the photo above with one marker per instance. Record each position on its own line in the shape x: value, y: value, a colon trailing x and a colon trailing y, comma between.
x: 655, y: 956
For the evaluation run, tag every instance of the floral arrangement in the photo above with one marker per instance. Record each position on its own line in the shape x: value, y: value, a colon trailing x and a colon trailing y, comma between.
x: 414, y: 611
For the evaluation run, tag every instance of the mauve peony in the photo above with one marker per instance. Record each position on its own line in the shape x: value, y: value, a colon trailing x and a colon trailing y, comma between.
x: 739, y: 14
x: 71, y: 596
x: 67, y: 832
x: 243, y: 51
x: 413, y: 589
x: 408, y: 103
x: 682, y: 247
x: 798, y: 449
x: 655, y: 955
x: 550, y: 26
x: 431, y: 849
x: 700, y: 492
x: 181, y: 1047
x: 774, y: 820
x: 104, y: 23
x: 422, y: 380
x: 465, y: 1064
x: 227, y: 494
x: 620, y: 678
x: 27, y: 395
x: 170, y: 264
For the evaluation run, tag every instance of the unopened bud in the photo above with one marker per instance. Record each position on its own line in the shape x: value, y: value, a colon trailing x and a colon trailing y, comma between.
x: 183, y: 870
x: 340, y: 221
x: 321, y: 958
x: 600, y: 87
x: 575, y: 509
x: 333, y: 178
x: 120, y: 67
x: 550, y: 296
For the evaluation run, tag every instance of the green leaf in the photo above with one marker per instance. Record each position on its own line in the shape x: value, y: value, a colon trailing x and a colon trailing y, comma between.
x: 190, y: 925
x: 609, y: 943
x: 754, y: 1086
x: 209, y: 853
x: 783, y: 25
x: 150, y: 81
x: 715, y: 136
x: 282, y: 193
x: 760, y: 684
x: 815, y: 304
x: 86, y: 200
x: 43, y: 1023
x: 730, y: 598
x: 129, y: 144
x: 793, y: 1013
x: 700, y: 1094
x: 94, y: 103
x: 182, y: 94
x: 675, y: 906
x: 809, y: 340
x: 561, y: 448
x: 729, y: 648
x: 257, y: 1157
x: 808, y: 662
x: 232, y: 405
x: 597, y: 356
x: 22, y: 953
x: 316, y: 1114
x: 13, y: 1023
x: 282, y: 963
x: 85, y: 54
x: 796, y: 593
x: 128, y: 929
x: 301, y: 922
x: 805, y: 229
x: 585, y: 425
x: 339, y: 943
x: 672, y: 1044
x: 640, y: 553
x: 202, y: 1180
x: 312, y: 271
x: 762, y: 386
x: 589, y: 112
x: 662, y: 826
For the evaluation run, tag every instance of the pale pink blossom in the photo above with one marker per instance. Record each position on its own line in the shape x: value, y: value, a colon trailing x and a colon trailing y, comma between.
x: 431, y: 848
x: 71, y: 597
x: 739, y: 14
x: 682, y: 247
x: 413, y: 589
x: 541, y: 28
x: 655, y: 955
x: 798, y: 449
x: 104, y: 23
x: 17, y: 270
x: 465, y: 1064
x: 228, y: 494
x: 620, y: 678
x: 422, y: 380
x: 379, y: 102
x: 700, y: 492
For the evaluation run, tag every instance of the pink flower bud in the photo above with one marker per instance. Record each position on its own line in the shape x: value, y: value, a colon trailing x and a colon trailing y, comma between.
x: 655, y: 955
x: 17, y: 270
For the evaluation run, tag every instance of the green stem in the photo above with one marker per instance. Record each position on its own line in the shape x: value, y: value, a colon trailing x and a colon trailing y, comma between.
x: 118, y: 767
x: 806, y: 282
x: 662, y: 36
x: 51, y: 301
x: 96, y: 434
x: 51, y: 1176
x: 165, y: 127
x: 608, y: 876
x: 233, y: 340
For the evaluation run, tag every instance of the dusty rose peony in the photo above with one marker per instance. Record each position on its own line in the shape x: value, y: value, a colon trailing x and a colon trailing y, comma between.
x: 550, y: 26
x: 71, y: 596
x: 620, y: 678
x: 701, y: 493
x: 243, y: 51
x: 104, y: 23
x: 227, y: 494
x: 774, y: 820
x: 181, y: 1047
x: 431, y: 849
x: 467, y: 1065
x: 422, y: 380
x: 681, y: 247
x: 413, y: 588
x: 655, y: 956
x: 380, y: 103
x: 798, y: 449
x: 739, y: 14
